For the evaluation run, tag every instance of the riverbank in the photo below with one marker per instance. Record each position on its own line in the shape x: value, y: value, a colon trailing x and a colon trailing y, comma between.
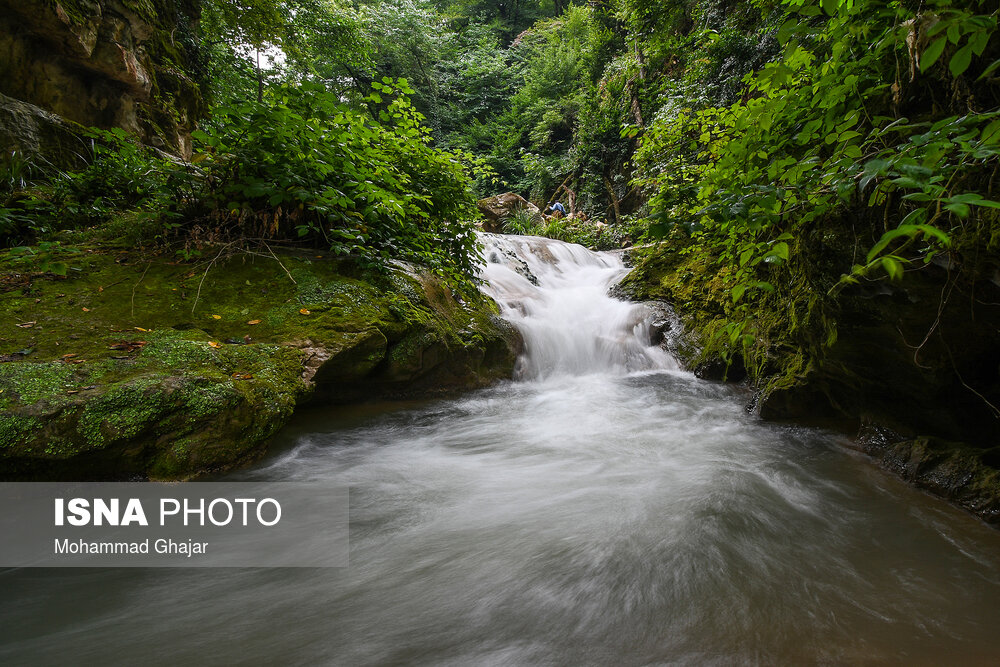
x: 136, y: 366
x: 907, y: 369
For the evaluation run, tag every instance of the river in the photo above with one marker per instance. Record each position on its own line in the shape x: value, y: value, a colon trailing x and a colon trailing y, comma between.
x: 604, y: 508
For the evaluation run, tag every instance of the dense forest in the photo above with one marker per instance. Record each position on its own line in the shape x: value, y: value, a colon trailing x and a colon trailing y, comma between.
x: 810, y: 184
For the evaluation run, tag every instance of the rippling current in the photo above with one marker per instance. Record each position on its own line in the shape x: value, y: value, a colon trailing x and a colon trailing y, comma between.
x: 606, y: 508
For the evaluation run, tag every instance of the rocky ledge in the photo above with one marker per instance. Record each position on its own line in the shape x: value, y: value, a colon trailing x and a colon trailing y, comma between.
x: 139, y: 368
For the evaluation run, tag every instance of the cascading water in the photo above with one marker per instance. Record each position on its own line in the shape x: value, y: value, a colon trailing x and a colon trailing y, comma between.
x: 610, y: 511
x: 556, y: 294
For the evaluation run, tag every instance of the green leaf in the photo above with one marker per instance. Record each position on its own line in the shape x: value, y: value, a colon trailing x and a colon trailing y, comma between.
x: 764, y: 285
x: 979, y: 42
x: 965, y: 198
x: 960, y: 61
x: 989, y: 70
x: 830, y: 6
x: 954, y: 33
x: 786, y: 30
x: 961, y: 210
x: 932, y: 53
x: 893, y: 267
x: 738, y: 291
x: 991, y: 133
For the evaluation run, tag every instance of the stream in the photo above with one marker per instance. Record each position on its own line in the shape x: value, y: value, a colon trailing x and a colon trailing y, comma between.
x: 603, y: 508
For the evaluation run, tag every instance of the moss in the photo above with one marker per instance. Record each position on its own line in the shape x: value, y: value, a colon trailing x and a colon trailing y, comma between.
x: 14, y: 429
x: 32, y: 382
x: 123, y: 412
x: 173, y: 379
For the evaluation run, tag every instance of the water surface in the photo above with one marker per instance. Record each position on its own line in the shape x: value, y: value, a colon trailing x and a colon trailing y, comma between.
x: 606, y: 508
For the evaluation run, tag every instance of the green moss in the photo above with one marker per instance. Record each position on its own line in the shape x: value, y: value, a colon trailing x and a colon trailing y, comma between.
x: 123, y: 412
x: 173, y: 379
x: 32, y: 382
x: 14, y: 429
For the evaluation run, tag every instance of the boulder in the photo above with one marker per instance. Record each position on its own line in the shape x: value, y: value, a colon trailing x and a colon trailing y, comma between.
x: 32, y: 131
x: 499, y: 207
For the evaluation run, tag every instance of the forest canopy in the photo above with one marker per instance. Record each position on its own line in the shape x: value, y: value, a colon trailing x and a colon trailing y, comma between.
x: 371, y: 127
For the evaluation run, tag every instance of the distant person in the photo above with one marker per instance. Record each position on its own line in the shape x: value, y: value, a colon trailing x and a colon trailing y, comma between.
x: 558, y: 207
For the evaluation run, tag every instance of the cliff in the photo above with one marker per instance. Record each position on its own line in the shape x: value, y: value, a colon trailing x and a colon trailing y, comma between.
x: 103, y: 63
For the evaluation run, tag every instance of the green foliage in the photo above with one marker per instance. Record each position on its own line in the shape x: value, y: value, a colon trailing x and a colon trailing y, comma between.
x: 119, y: 175
x: 300, y: 167
x: 821, y: 134
x: 596, y: 236
x: 304, y: 166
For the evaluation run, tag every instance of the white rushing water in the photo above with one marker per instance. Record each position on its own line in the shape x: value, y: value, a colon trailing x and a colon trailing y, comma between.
x: 607, y: 509
x: 556, y: 294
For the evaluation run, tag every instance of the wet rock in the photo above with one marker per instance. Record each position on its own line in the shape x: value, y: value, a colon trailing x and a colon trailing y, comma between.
x: 963, y: 474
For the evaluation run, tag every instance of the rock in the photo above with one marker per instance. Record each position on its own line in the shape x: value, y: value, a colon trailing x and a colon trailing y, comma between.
x: 101, y: 63
x: 499, y: 207
x: 33, y: 131
x: 967, y: 476
x: 121, y: 384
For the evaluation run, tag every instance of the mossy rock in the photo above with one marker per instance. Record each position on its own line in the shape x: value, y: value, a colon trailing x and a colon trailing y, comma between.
x: 139, y: 366
x: 966, y: 475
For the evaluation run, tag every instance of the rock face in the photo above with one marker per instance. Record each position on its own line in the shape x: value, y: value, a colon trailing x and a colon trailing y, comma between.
x: 104, y: 63
x: 34, y: 131
x: 499, y: 207
x: 163, y: 375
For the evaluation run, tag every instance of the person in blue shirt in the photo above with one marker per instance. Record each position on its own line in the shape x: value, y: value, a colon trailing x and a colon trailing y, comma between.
x: 558, y: 207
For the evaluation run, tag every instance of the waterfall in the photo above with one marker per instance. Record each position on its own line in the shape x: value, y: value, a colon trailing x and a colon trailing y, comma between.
x: 556, y: 294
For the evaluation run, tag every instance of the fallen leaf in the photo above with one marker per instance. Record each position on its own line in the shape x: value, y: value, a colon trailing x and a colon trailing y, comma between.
x: 75, y: 361
x: 27, y: 325
x: 216, y: 317
x: 242, y: 376
x: 70, y: 355
x: 73, y: 391
x: 141, y: 329
x: 38, y: 300
x: 212, y: 343
x: 304, y: 311
x: 253, y: 322
x: 100, y: 289
x: 86, y: 310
